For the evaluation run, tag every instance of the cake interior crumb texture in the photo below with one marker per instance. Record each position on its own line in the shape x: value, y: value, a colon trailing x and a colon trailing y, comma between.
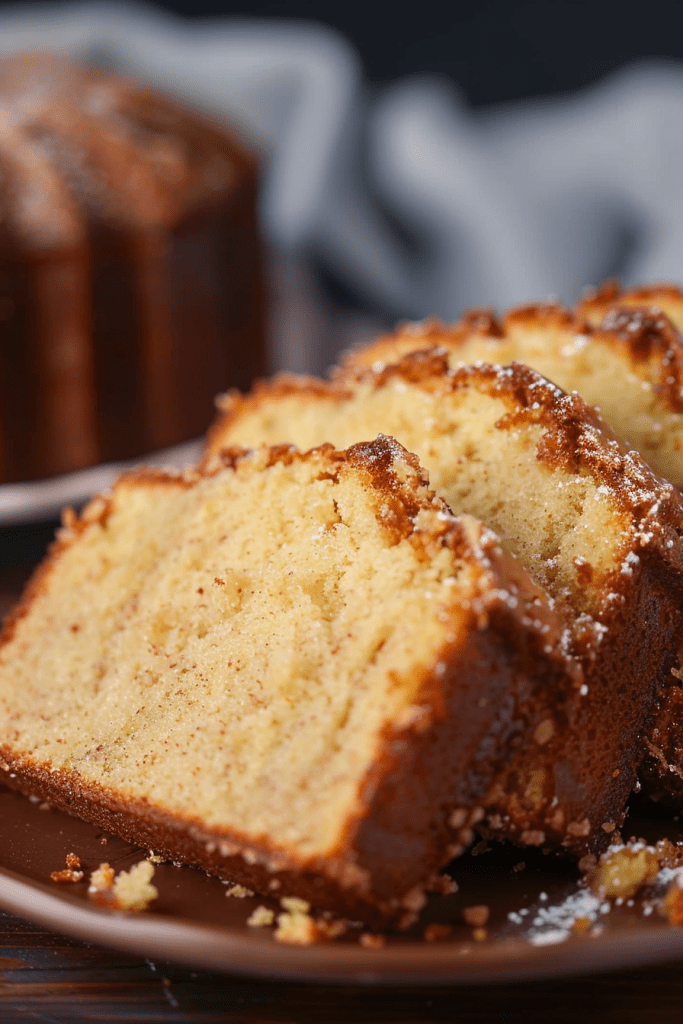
x: 480, y: 443
x: 619, y: 351
x: 236, y: 650
x: 587, y: 518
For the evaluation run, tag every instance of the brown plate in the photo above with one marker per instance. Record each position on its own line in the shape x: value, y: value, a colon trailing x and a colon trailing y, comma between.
x: 528, y: 933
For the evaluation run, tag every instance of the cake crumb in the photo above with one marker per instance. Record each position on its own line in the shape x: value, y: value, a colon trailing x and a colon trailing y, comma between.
x: 414, y: 900
x: 587, y: 863
x: 71, y: 873
x: 239, y: 891
x: 133, y: 889
x: 295, y: 905
x: 372, y: 941
x: 480, y: 934
x: 622, y: 871
x: 101, y: 881
x: 296, y: 929
x: 544, y: 731
x: 476, y: 916
x: 129, y: 890
x: 261, y: 917
x: 579, y: 828
x: 533, y: 837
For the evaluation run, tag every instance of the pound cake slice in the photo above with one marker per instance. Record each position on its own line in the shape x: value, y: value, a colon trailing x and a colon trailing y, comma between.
x: 621, y: 350
x: 292, y: 671
x: 622, y: 357
x: 590, y: 521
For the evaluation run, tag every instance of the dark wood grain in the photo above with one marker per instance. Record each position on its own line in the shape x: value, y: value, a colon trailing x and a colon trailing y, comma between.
x: 44, y: 977
x: 49, y: 978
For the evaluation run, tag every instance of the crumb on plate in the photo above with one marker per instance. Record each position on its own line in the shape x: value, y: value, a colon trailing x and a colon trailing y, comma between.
x: 261, y: 917
x: 72, y: 872
x: 129, y: 890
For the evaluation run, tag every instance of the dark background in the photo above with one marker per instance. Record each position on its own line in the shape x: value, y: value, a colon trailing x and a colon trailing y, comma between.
x: 495, y: 50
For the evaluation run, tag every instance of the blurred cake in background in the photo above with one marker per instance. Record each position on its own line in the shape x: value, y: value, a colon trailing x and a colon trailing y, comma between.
x: 130, y: 275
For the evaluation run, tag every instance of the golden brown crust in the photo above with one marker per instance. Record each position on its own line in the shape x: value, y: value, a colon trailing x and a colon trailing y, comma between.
x: 541, y: 316
x: 654, y: 347
x: 596, y: 303
x: 540, y: 795
x: 575, y: 434
x: 415, y: 336
x: 633, y: 323
x: 577, y: 437
x: 647, y: 321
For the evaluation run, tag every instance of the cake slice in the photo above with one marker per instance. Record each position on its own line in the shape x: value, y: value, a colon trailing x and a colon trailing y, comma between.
x: 589, y: 519
x: 300, y: 672
x: 622, y: 357
x: 621, y: 351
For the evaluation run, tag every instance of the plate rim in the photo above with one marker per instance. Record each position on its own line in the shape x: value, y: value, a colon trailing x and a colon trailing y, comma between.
x: 32, y: 501
x: 190, y: 943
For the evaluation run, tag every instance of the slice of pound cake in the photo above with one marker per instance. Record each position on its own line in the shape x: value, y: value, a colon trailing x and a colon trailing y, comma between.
x: 590, y: 521
x: 621, y: 350
x: 623, y: 356
x: 300, y: 672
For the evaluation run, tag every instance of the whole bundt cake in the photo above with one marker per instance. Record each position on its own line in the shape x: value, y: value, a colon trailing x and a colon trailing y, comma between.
x: 130, y: 285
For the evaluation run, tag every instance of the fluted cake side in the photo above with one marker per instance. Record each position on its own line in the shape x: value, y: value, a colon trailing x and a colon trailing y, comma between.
x: 130, y: 277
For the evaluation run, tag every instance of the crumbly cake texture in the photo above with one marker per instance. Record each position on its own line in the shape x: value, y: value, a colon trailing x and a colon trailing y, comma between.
x: 589, y: 520
x: 618, y: 350
x: 291, y: 670
x: 112, y: 196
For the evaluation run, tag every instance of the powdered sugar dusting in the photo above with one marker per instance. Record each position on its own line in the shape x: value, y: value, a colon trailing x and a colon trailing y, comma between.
x: 555, y: 922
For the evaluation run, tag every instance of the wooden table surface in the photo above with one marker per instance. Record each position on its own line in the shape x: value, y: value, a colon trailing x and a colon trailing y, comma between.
x: 46, y: 977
